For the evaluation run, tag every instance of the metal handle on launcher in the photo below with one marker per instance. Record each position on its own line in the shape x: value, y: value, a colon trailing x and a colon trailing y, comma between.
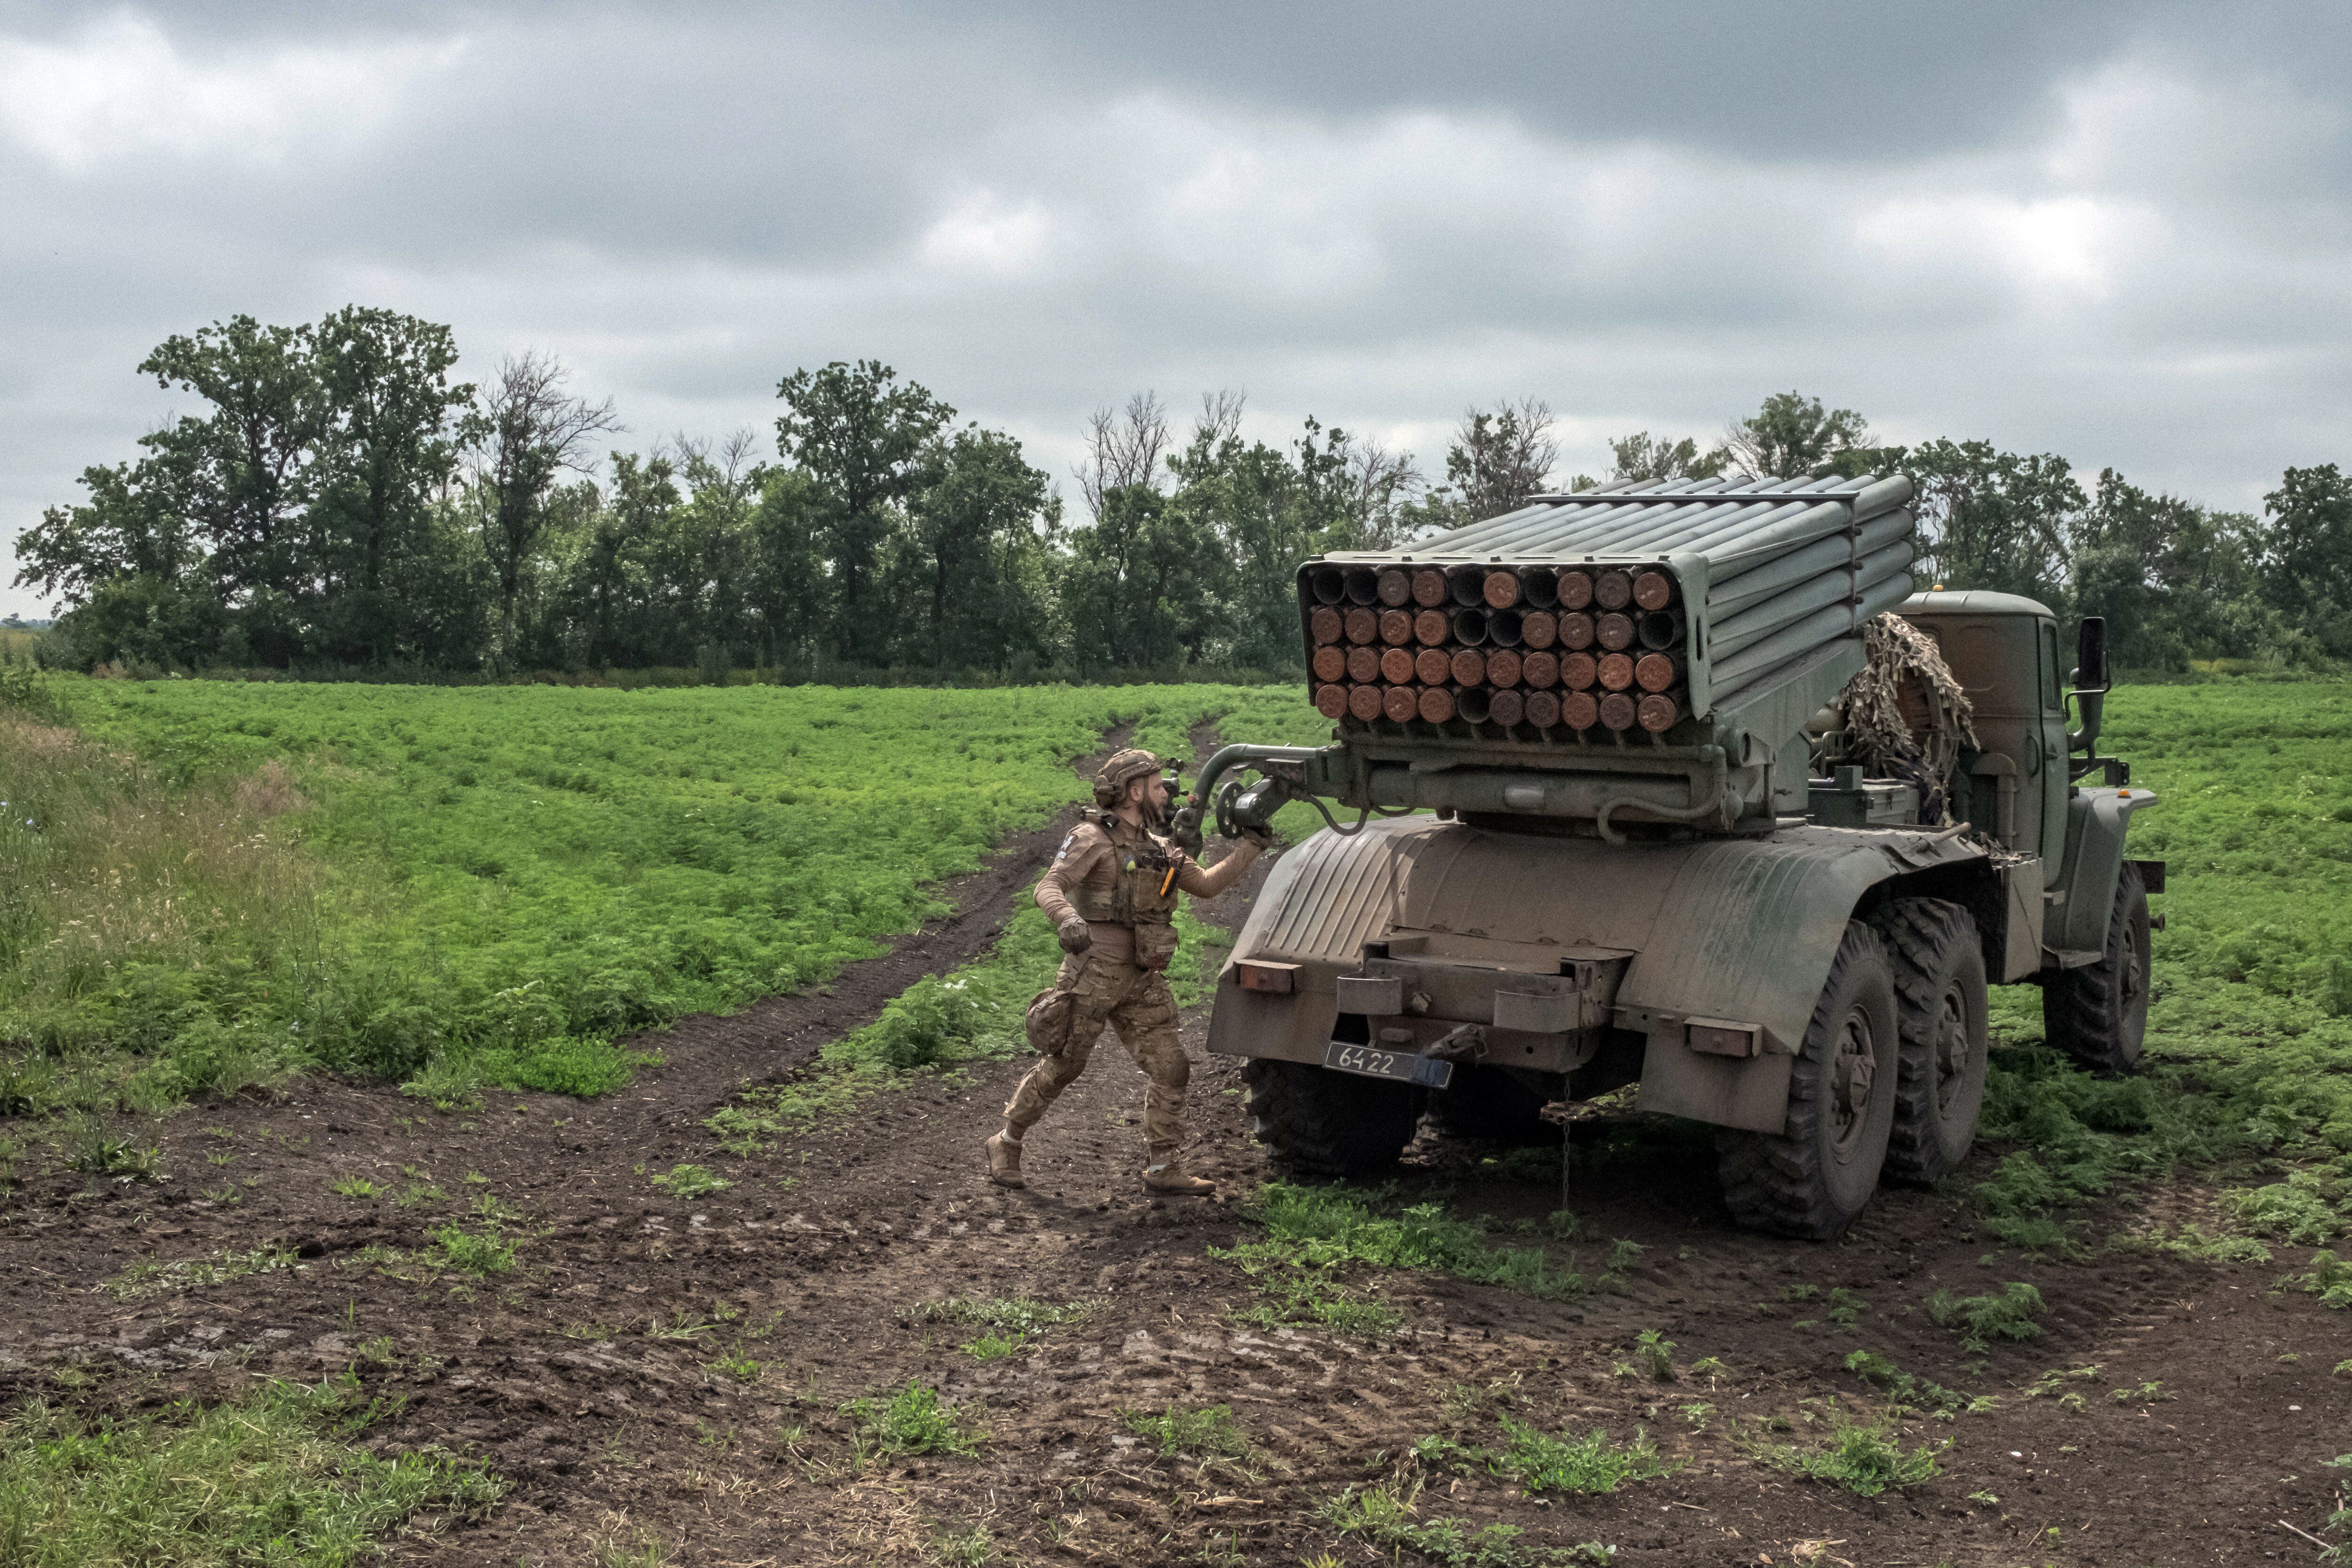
x: 1185, y: 826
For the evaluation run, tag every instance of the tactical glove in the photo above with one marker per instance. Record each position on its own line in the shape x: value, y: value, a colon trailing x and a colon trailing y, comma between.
x: 1074, y: 935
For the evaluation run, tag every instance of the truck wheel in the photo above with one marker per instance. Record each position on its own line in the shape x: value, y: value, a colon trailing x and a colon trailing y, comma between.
x: 1317, y: 1122
x: 2098, y: 1014
x: 1812, y: 1178
x: 1940, y: 1013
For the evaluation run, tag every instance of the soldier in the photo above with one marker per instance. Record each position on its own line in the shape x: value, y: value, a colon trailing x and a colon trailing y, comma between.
x: 1111, y: 894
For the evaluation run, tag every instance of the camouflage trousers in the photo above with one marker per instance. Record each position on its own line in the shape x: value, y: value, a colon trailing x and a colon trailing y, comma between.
x: 1135, y: 1004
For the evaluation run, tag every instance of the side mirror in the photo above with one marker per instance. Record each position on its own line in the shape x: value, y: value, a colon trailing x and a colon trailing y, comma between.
x: 2091, y: 655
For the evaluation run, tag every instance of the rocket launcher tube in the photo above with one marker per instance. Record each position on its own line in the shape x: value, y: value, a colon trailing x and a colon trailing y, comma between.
x: 1729, y: 635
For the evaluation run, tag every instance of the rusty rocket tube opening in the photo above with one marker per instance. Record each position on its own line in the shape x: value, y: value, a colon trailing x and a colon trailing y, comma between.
x: 1575, y: 589
x: 1330, y: 662
x: 1429, y: 588
x: 1543, y: 709
x: 1502, y: 667
x: 1617, y: 711
x: 1506, y: 709
x: 1324, y: 626
x: 1395, y: 587
x: 1540, y: 670
x: 1538, y: 629
x: 1501, y: 588
x: 1396, y: 627
x: 1580, y: 710
x: 1613, y: 589
x: 1654, y: 590
x: 1400, y: 703
x: 1659, y: 711
x: 1436, y: 703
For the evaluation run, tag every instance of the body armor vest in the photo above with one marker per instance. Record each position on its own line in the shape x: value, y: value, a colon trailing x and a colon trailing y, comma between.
x: 1142, y: 890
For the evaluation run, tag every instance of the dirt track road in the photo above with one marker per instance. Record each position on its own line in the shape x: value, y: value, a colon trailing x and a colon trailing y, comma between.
x: 656, y: 1365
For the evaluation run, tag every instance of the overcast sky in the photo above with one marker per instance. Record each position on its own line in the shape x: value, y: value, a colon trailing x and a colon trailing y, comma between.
x: 2119, y: 232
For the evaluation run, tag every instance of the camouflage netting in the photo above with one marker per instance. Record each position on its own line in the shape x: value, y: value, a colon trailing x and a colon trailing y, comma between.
x: 1906, y: 715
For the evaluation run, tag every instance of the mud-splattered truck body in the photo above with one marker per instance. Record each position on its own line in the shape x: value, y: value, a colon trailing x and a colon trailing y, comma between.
x: 1602, y: 836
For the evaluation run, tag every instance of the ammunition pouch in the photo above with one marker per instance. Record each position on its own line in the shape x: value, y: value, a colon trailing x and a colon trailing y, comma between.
x: 1047, y: 1022
x: 1155, y: 944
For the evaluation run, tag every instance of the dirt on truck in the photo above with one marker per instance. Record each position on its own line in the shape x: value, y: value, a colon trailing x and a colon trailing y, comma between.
x: 1681, y: 785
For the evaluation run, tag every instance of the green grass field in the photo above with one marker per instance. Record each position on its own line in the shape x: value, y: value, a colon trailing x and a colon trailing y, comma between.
x: 221, y: 880
x: 218, y: 882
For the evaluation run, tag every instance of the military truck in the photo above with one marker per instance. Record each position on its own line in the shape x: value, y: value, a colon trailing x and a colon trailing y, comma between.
x: 1608, y: 830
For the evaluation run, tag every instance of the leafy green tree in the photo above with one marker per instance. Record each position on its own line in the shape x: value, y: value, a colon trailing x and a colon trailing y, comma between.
x: 866, y: 444
x: 241, y: 477
x: 1143, y: 586
x: 386, y: 445
x: 1992, y: 519
x: 971, y: 532
x: 1498, y: 459
x: 786, y: 567
x: 2308, y: 566
x: 1643, y: 456
x: 1792, y: 436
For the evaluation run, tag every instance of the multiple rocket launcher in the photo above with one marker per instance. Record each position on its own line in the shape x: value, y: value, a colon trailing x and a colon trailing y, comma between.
x: 1538, y: 645
x: 1631, y: 609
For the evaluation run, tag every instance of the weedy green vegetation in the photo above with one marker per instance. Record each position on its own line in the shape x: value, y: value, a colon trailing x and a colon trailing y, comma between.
x: 152, y: 1278
x: 2249, y: 1029
x: 2011, y: 1315
x: 1866, y: 1458
x: 1323, y: 1227
x: 476, y: 887
x: 1386, y: 1516
x: 272, y: 1479
x: 1537, y: 1462
x: 1905, y: 1391
x: 1208, y: 1433
x: 1009, y: 1323
x: 912, y: 1420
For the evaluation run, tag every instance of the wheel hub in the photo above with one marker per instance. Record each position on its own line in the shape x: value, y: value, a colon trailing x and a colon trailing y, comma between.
x: 1851, y: 1072
x: 2131, y: 977
x: 1951, y: 1048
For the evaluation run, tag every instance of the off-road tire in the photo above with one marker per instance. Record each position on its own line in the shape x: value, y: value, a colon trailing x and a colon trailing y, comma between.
x: 1940, y: 1018
x: 1488, y: 1104
x: 1319, y: 1123
x: 1812, y: 1178
x: 2098, y: 1014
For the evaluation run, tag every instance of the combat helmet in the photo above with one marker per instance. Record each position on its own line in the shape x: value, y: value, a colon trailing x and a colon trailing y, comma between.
x: 1125, y: 768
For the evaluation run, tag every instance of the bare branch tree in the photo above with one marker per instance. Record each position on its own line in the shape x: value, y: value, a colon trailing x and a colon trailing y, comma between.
x: 1123, y: 448
x: 528, y: 431
x: 1381, y: 485
x: 1220, y: 419
x: 1501, y: 455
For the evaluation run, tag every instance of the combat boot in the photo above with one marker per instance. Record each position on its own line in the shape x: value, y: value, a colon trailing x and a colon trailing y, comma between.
x: 1170, y: 1178
x: 1004, y: 1161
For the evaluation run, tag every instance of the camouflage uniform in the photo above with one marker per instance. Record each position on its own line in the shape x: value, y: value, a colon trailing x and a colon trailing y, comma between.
x: 1117, y: 883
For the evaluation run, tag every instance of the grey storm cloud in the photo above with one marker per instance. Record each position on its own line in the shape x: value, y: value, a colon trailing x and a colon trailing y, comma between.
x: 2119, y: 233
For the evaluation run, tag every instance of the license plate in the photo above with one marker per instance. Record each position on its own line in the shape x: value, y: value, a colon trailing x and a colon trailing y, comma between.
x: 1402, y: 1066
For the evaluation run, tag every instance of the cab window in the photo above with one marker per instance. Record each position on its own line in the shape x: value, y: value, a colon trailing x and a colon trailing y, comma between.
x: 2051, y: 701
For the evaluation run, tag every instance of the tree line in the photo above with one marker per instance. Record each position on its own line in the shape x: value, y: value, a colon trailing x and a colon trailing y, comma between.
x: 342, y: 501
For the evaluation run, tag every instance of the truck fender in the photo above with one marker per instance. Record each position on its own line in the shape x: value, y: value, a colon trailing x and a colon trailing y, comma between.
x: 2075, y: 930
x: 1748, y: 933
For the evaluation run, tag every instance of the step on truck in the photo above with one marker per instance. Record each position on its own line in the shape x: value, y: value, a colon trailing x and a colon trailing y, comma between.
x: 1618, y: 817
